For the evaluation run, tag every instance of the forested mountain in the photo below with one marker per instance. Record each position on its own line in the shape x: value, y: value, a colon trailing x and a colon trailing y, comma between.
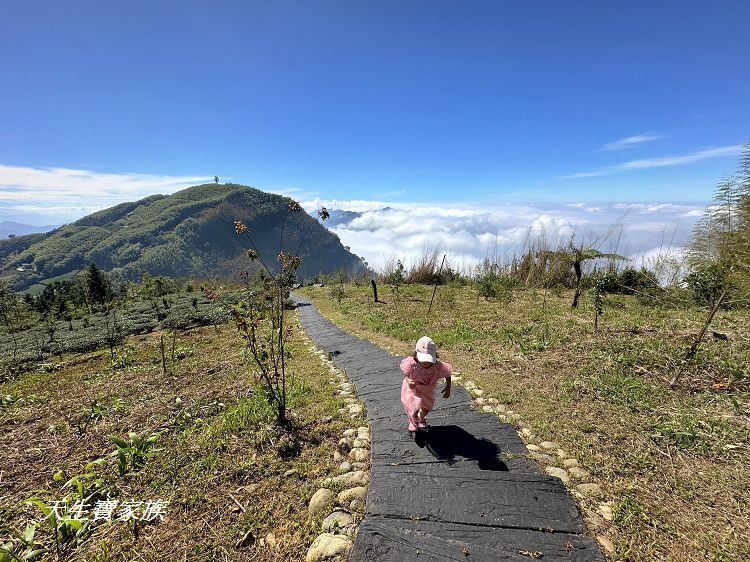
x: 189, y: 233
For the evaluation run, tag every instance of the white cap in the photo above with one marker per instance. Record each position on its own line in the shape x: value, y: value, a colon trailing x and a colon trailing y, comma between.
x: 426, y: 350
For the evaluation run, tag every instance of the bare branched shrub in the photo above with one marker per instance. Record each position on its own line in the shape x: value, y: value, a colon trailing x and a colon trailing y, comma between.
x: 260, y: 316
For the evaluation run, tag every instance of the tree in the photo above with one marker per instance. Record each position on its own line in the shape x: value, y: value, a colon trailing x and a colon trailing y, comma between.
x: 10, y: 310
x: 720, y: 249
x: 96, y: 284
x: 576, y: 255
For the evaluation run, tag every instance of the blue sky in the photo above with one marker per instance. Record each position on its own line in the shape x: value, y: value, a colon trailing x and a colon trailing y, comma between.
x: 478, y: 103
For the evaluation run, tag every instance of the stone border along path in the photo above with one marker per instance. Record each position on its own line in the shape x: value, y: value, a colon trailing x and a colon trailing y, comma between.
x: 353, y: 454
x: 467, y: 490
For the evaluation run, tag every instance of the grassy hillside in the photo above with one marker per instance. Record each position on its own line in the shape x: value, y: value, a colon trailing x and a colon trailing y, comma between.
x: 189, y: 233
x: 236, y: 485
x: 672, y: 462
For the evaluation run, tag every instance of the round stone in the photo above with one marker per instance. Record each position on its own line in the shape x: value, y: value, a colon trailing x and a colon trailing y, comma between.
x: 590, y: 490
x: 549, y: 445
x: 359, y: 455
x: 578, y: 473
x: 357, y: 478
x: 345, y: 445
x: 533, y: 448
x: 361, y: 443
x: 355, y: 410
x: 350, y: 433
x: 346, y: 496
x: 541, y: 457
x: 337, y: 456
x: 488, y: 409
x: 356, y: 504
x: 593, y: 519
x: 606, y: 544
x: 558, y: 472
x: 319, y: 501
x: 337, y: 521
x: 345, y: 466
x: 327, y: 546
x: 570, y: 463
x: 606, y: 512
x: 478, y: 401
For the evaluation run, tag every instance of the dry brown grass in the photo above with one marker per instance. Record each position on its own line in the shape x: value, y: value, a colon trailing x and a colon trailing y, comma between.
x: 673, y: 462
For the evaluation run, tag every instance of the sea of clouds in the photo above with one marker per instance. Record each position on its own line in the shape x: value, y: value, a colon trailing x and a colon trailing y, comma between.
x: 383, y: 232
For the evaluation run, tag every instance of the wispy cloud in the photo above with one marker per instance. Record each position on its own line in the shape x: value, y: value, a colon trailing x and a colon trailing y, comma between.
x: 629, y: 142
x: 68, y: 193
x: 660, y: 162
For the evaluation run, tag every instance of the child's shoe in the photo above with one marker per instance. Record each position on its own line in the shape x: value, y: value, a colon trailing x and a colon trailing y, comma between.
x: 412, y: 424
x: 423, y: 425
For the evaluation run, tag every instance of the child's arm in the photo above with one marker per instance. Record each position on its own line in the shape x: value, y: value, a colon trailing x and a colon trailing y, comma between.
x: 406, y: 367
x: 447, y: 389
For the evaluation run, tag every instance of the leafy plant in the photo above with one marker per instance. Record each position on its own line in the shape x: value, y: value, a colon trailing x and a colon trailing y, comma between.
x: 397, y: 277
x: 81, y: 490
x: 707, y: 283
x: 599, y: 292
x: 24, y: 548
x: 133, y: 453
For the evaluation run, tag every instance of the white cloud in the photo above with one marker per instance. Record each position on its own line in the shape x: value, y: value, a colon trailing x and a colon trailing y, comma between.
x: 469, y: 233
x: 629, y: 142
x: 68, y: 193
x: 645, y: 163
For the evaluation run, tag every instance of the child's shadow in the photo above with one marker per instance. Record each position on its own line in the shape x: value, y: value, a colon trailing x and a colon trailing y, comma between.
x: 446, y: 442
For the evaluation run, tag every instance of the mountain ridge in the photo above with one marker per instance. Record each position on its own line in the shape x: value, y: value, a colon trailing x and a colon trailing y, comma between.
x: 188, y: 233
x: 13, y: 228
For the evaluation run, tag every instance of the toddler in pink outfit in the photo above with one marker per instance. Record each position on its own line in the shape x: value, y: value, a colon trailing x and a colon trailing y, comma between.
x: 422, y: 370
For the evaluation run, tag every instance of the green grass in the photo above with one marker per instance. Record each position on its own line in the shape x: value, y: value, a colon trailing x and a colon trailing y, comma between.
x: 672, y: 461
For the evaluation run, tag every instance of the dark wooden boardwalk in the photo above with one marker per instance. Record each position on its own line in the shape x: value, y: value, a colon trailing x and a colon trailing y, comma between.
x: 463, y: 491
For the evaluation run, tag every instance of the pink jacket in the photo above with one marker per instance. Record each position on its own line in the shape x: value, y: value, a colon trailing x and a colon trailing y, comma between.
x: 423, y: 393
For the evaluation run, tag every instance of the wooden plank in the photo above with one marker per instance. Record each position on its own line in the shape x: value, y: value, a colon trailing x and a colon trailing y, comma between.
x: 396, y: 540
x: 489, y: 446
x: 488, y: 498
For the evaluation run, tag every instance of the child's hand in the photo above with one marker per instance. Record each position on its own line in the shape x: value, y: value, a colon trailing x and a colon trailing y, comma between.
x: 447, y: 392
x: 410, y: 382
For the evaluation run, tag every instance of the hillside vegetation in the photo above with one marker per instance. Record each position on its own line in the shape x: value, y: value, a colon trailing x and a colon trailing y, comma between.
x: 189, y: 233
x: 673, y: 461
x: 194, y: 431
